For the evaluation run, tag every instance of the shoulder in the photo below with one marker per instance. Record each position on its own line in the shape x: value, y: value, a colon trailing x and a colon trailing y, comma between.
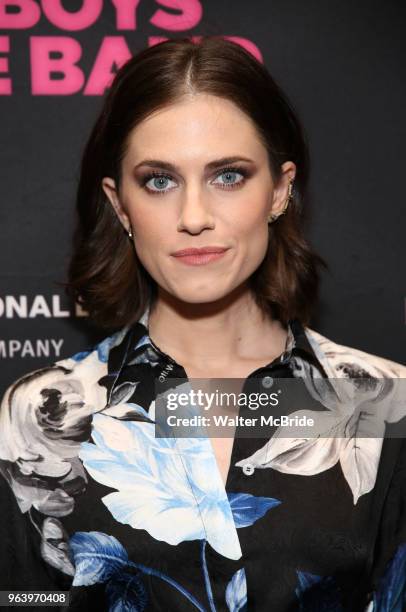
x: 341, y: 360
x: 55, y: 402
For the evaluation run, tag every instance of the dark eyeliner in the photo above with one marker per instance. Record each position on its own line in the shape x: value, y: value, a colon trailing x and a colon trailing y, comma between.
x: 156, y: 174
x: 240, y: 170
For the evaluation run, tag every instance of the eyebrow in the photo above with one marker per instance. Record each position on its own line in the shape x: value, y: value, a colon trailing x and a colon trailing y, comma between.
x: 210, y: 166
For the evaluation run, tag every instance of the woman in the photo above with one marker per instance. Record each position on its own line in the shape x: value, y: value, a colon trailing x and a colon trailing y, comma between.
x: 190, y: 250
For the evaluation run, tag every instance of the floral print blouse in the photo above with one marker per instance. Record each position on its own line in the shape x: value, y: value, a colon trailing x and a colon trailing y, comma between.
x: 93, y: 503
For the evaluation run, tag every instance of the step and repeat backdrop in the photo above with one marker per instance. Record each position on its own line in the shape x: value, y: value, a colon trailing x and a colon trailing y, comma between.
x: 341, y: 64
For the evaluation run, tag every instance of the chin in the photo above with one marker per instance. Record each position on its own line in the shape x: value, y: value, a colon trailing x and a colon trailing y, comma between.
x: 196, y: 295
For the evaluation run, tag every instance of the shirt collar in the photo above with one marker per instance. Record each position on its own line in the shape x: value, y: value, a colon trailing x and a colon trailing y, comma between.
x: 137, y: 347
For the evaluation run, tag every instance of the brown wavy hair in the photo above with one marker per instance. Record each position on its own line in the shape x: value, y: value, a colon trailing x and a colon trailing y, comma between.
x: 105, y: 275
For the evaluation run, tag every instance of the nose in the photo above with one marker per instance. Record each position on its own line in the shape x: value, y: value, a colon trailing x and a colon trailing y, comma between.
x: 195, y: 210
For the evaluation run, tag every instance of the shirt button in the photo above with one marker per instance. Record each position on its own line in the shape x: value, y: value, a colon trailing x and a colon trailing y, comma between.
x: 248, y: 469
x: 267, y: 382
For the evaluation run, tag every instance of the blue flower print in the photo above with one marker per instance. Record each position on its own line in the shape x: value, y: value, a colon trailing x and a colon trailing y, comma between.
x: 99, y: 557
x: 162, y: 486
x: 236, y: 592
x: 248, y: 508
x: 161, y: 483
x: 126, y: 593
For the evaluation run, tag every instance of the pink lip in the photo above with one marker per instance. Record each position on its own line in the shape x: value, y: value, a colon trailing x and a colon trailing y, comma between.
x: 201, y: 251
x: 197, y: 257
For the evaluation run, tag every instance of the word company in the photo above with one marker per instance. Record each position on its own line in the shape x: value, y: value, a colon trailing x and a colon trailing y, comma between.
x: 44, y: 347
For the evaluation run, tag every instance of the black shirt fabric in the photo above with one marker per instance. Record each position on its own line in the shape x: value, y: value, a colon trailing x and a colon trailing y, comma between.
x: 93, y: 503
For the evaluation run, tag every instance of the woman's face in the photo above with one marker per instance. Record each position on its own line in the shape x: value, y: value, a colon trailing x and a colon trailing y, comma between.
x: 176, y: 194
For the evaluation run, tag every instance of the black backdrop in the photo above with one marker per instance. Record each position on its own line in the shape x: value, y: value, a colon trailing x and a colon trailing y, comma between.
x: 342, y: 65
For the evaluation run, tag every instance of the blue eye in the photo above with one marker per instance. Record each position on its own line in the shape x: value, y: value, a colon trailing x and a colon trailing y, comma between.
x: 160, y: 180
x: 230, y: 173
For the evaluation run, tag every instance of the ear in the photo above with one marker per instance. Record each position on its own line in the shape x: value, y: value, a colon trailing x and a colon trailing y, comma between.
x: 109, y: 188
x: 281, y: 191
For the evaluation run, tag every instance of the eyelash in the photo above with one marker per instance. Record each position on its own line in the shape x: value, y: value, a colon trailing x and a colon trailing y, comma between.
x: 237, y: 169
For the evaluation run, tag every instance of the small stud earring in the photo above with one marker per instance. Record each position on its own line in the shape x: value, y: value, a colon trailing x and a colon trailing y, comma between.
x: 129, y: 232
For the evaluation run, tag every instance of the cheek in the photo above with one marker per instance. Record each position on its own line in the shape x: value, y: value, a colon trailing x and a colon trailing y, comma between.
x: 256, y: 246
x: 251, y: 211
x: 252, y: 231
x: 252, y: 237
x: 150, y: 227
x: 151, y: 243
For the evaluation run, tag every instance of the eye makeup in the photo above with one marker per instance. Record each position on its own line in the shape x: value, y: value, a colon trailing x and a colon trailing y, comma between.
x: 244, y: 172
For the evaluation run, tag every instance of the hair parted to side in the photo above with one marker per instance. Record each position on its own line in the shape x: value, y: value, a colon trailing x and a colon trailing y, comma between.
x: 105, y: 275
